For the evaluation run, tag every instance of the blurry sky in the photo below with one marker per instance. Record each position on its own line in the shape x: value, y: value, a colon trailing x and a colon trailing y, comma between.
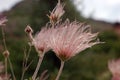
x: 7, y: 4
x: 107, y: 10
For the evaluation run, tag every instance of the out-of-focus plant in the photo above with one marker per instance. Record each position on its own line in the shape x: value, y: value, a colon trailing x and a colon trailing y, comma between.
x: 65, y: 38
x: 114, y: 67
x: 6, y: 52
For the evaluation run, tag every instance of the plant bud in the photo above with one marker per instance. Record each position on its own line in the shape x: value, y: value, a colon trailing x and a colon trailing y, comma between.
x: 6, y: 53
x: 28, y: 30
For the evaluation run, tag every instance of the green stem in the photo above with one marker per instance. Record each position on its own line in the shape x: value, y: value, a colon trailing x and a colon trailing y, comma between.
x: 11, y: 67
x: 23, y: 73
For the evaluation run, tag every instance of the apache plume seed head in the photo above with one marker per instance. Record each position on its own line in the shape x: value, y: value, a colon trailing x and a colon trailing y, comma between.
x: 57, y: 12
x: 68, y: 39
x: 114, y: 67
x: 41, y: 40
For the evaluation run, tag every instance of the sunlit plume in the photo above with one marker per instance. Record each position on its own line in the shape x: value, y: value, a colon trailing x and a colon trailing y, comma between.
x: 70, y: 38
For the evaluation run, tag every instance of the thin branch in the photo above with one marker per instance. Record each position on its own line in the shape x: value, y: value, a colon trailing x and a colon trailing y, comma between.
x: 44, y: 75
x: 25, y: 62
x: 28, y: 65
x: 27, y: 56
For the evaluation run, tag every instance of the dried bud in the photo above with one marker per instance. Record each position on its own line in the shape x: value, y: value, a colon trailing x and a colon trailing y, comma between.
x: 53, y: 18
x: 6, y: 53
x: 56, y: 13
x: 28, y: 30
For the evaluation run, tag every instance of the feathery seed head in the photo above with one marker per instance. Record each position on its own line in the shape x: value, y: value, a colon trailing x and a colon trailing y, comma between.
x: 70, y: 38
x: 41, y: 40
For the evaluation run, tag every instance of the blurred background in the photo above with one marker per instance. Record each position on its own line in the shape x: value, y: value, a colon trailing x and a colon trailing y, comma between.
x: 91, y: 64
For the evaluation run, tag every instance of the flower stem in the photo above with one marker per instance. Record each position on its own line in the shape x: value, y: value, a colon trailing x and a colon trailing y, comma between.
x: 23, y: 73
x: 11, y: 67
x: 4, y: 41
x: 60, y: 70
x: 38, y: 67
